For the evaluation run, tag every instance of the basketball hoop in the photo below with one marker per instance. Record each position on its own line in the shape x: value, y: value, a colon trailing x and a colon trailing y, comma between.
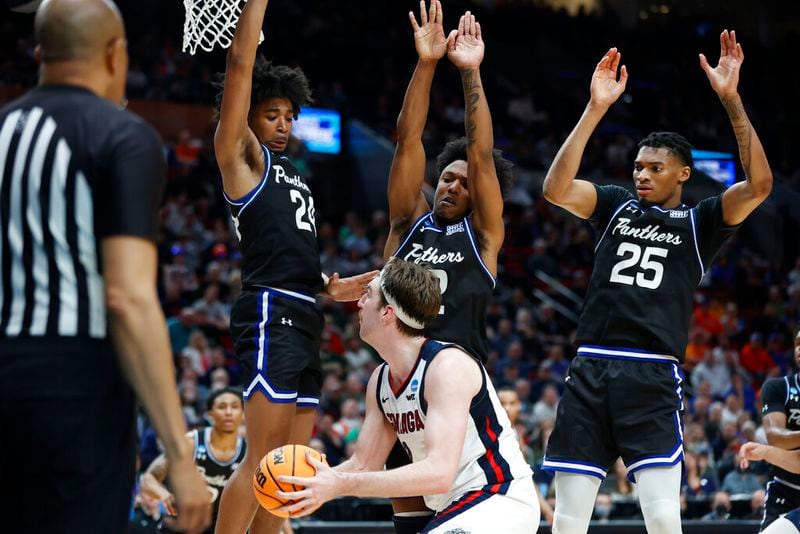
x: 210, y: 23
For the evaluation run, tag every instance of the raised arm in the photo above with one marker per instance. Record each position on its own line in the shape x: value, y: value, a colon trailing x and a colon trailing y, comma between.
x: 560, y: 186
x: 742, y: 198
x: 466, y: 49
x: 239, y: 155
x: 452, y: 381
x: 406, y: 201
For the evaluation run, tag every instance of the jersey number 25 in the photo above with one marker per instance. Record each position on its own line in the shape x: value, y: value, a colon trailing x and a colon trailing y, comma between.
x: 650, y: 272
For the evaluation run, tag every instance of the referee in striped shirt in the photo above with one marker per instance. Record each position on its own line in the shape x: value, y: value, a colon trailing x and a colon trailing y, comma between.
x: 80, y: 323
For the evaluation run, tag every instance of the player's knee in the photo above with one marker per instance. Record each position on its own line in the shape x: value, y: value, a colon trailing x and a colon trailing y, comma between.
x: 564, y: 523
x: 662, y: 516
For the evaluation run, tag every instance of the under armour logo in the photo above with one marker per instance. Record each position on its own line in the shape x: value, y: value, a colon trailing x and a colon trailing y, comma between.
x: 286, y: 322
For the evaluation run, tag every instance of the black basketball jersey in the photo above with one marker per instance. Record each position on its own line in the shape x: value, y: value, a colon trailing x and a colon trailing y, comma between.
x: 277, y: 231
x: 783, y: 395
x: 215, y: 472
x: 74, y: 170
x: 648, y: 262
x: 466, y: 283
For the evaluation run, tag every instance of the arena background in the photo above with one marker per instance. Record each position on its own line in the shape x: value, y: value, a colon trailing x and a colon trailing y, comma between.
x: 540, y: 55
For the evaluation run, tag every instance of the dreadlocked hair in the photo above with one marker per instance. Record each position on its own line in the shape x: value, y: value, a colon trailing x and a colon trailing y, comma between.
x: 271, y: 81
x: 675, y: 143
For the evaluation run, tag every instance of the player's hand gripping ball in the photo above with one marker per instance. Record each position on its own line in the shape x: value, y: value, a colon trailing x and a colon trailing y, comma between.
x: 287, y: 460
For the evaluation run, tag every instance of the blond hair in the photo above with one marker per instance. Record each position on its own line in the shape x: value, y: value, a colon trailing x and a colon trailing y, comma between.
x: 415, y: 290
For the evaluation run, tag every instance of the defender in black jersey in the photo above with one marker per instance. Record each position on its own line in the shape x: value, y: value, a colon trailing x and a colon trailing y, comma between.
x: 780, y: 398
x: 784, y: 517
x: 460, y: 236
x: 80, y: 321
x: 218, y: 450
x: 274, y: 323
x: 623, y: 395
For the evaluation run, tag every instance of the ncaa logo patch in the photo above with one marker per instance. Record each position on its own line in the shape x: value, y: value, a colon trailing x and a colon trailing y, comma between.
x: 414, y: 385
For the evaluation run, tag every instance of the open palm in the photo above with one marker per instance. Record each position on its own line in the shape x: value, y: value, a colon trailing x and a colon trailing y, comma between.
x: 724, y: 77
x: 605, y: 88
x: 465, y: 45
x: 429, y: 38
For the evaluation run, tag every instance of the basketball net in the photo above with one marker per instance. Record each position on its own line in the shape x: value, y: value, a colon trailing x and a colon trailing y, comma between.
x: 210, y: 23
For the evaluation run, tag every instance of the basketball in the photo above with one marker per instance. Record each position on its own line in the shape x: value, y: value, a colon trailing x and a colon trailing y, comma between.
x: 287, y: 460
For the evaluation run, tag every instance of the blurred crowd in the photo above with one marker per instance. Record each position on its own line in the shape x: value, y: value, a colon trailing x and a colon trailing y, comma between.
x: 745, y: 309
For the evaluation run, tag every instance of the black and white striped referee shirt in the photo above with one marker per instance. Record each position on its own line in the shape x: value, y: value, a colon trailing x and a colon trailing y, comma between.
x: 74, y: 169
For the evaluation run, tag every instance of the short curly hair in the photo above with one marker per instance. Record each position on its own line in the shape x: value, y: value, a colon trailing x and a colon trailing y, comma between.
x: 675, y: 143
x: 271, y: 81
x: 457, y: 150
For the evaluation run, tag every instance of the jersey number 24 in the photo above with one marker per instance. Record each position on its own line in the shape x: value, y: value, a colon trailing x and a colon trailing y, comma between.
x: 310, y: 225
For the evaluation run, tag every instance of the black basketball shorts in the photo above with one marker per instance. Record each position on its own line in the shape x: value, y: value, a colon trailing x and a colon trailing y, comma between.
x: 69, y: 447
x: 276, y: 336
x: 618, y: 402
x: 782, y: 498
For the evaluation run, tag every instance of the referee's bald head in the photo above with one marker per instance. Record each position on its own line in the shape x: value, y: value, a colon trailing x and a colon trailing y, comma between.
x: 82, y: 30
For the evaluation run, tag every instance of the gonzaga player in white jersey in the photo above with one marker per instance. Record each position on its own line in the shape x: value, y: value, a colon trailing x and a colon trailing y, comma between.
x: 436, y: 399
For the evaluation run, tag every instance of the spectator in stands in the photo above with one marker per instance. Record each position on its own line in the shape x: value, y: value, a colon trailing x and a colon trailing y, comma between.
x: 740, y: 481
x: 356, y: 354
x: 523, y: 388
x: 198, y: 353
x: 559, y: 365
x: 603, y: 506
x: 700, y: 480
x: 732, y: 410
x: 720, y: 507
x: 545, y: 407
x: 744, y: 391
x: 756, y: 361
x: 210, y: 312
x: 714, y: 370
x: 696, y: 349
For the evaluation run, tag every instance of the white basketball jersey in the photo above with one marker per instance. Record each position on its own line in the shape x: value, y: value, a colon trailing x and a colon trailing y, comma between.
x: 490, y: 458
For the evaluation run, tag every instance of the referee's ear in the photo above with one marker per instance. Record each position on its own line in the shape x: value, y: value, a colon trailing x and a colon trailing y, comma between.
x: 116, y: 64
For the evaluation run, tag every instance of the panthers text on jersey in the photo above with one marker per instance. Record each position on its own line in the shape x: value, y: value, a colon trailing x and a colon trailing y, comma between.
x: 453, y: 253
x: 648, y: 262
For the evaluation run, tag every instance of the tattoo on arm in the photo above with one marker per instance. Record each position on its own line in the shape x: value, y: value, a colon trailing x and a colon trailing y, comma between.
x: 471, y: 97
x: 742, y: 129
